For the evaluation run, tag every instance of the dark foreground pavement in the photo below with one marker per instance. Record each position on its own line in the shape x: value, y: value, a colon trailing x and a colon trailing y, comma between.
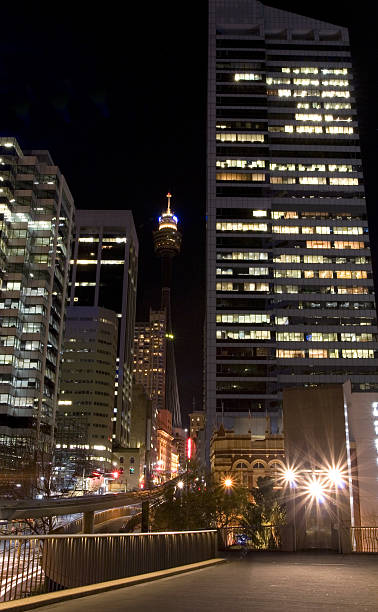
x: 262, y: 581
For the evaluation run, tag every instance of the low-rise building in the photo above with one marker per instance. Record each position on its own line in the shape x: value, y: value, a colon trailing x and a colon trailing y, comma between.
x: 246, y: 457
x: 128, y: 469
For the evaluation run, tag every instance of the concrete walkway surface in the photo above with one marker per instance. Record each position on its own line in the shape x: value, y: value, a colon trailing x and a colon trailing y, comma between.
x: 260, y: 582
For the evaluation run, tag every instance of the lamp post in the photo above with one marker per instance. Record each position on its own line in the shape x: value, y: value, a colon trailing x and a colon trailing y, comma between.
x: 290, y: 479
x: 335, y: 477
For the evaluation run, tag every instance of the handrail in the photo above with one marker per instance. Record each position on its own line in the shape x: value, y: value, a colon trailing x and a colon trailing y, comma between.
x: 100, y: 535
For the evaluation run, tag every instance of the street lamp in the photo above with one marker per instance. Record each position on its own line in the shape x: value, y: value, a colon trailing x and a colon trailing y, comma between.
x: 315, y: 490
x: 180, y: 484
x: 335, y: 477
x: 228, y: 483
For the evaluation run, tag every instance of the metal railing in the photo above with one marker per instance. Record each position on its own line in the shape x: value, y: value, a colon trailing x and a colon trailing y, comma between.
x: 234, y: 538
x: 364, y: 539
x: 31, y: 565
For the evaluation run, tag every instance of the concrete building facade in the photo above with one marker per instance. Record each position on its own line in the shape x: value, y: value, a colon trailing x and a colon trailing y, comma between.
x: 87, y: 382
x: 104, y: 274
x: 245, y: 458
x: 36, y: 217
x: 290, y: 297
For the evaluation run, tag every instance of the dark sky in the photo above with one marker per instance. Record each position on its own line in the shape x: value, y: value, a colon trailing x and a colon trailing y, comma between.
x: 120, y: 102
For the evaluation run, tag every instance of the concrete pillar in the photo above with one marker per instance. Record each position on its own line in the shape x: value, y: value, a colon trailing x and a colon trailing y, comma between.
x: 88, y: 521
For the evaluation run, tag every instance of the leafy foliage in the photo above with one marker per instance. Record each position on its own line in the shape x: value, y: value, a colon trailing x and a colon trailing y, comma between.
x: 264, y: 515
x: 200, y: 504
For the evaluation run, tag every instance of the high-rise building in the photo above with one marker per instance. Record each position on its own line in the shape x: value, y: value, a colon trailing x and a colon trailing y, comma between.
x: 290, y: 298
x: 36, y: 216
x: 167, y: 244
x: 104, y: 274
x: 150, y: 357
x: 150, y: 367
x: 87, y: 384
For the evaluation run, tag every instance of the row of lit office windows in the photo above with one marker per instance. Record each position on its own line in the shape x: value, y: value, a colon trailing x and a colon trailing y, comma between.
x: 283, y: 167
x: 326, y: 354
x: 265, y: 288
x: 283, y: 258
x: 253, y: 334
x: 262, y: 318
x: 311, y: 93
x: 339, y: 274
x: 279, y: 180
x: 289, y: 129
x: 230, y: 226
x: 311, y: 129
x: 289, y: 214
x: 255, y: 76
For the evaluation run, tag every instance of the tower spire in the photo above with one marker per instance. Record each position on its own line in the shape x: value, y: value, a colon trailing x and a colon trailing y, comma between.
x: 169, y: 203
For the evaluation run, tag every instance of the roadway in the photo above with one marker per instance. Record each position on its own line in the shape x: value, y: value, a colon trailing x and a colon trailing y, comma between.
x: 262, y: 582
x: 11, y: 510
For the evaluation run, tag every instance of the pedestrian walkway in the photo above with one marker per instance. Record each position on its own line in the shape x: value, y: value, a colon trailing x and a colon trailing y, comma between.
x: 260, y: 582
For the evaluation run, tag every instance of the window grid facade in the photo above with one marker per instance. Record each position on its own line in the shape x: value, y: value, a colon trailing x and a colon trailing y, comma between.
x: 285, y: 189
x: 36, y: 216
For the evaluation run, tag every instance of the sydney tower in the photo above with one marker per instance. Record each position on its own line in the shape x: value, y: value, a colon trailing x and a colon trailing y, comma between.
x: 167, y: 244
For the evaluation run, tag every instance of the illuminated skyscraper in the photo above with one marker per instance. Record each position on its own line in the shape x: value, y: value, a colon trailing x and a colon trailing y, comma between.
x: 167, y: 244
x: 36, y: 218
x: 104, y: 274
x: 290, y: 298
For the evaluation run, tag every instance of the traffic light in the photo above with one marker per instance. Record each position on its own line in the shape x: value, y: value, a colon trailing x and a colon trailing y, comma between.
x: 115, y: 474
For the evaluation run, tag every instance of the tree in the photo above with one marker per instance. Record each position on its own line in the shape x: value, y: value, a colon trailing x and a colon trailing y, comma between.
x: 263, y: 516
x: 201, y: 503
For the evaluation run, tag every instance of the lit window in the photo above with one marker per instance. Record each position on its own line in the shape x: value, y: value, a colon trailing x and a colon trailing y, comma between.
x: 272, y: 81
x: 285, y: 229
x: 355, y: 231
x: 287, y: 259
x: 357, y: 354
x: 282, y: 167
x: 335, y: 94
x: 335, y: 83
x: 283, y: 180
x: 290, y: 214
x: 318, y: 244
x: 285, y: 354
x: 309, y: 129
x: 240, y: 163
x: 247, y: 76
x: 241, y: 227
x: 343, y: 181
x: 256, y: 287
x: 335, y: 129
x: 286, y: 289
x: 287, y: 274
x: 318, y: 354
x: 227, y: 137
x: 308, y: 117
x: 233, y: 176
x: 289, y: 337
x: 342, y: 244
x: 312, y: 180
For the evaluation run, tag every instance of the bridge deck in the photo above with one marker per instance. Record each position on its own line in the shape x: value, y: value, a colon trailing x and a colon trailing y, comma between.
x: 261, y: 582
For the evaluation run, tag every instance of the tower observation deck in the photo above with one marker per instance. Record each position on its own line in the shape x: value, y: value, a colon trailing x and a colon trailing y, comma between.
x: 167, y: 244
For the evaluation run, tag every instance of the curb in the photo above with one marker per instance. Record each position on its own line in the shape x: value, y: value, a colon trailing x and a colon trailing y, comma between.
x: 30, y: 603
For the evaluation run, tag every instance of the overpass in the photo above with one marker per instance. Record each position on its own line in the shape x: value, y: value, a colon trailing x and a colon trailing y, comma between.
x: 88, y: 505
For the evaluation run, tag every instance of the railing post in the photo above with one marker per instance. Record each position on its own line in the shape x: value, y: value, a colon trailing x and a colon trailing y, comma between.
x: 88, y: 521
x: 145, y: 526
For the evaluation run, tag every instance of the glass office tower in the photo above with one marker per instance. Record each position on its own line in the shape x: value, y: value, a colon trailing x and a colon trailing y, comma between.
x: 36, y: 215
x: 104, y: 274
x: 290, y: 298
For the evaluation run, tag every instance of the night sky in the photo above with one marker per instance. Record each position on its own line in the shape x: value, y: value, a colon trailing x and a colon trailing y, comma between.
x: 120, y: 103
